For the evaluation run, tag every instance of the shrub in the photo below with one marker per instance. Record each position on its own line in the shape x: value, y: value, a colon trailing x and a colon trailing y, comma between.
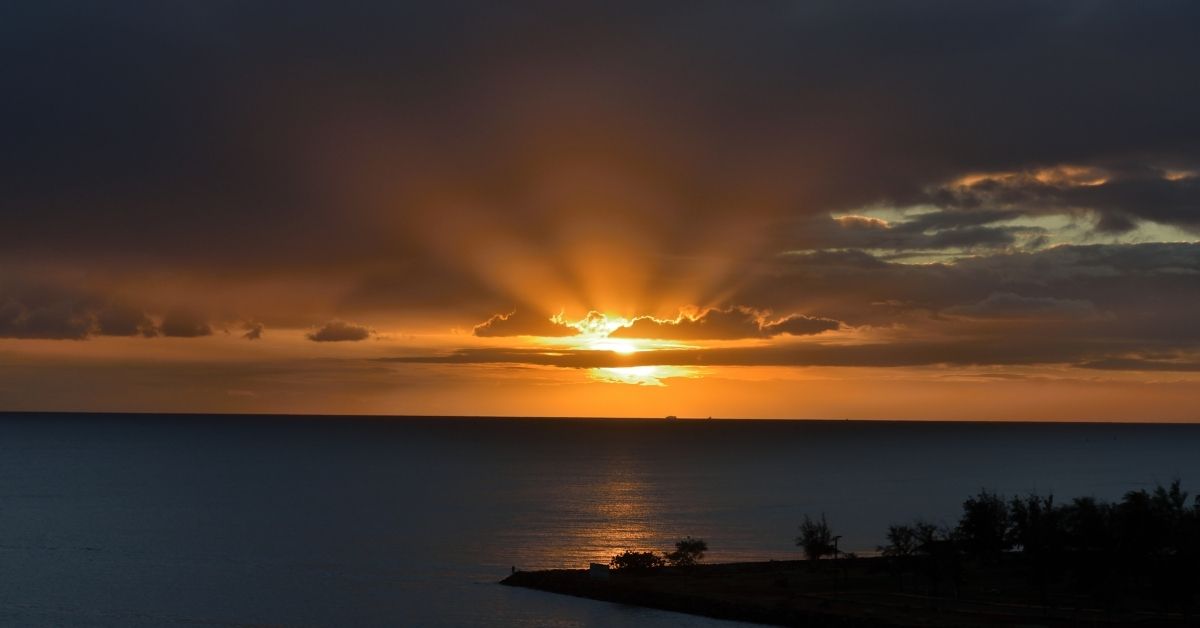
x: 984, y: 527
x: 816, y: 537
x: 630, y: 560
x: 688, y: 552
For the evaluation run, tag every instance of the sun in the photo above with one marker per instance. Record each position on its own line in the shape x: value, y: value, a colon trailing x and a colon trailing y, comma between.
x: 594, y: 330
x: 622, y: 346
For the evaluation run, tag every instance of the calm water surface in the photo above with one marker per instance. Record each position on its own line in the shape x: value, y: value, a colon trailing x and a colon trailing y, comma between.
x: 238, y: 521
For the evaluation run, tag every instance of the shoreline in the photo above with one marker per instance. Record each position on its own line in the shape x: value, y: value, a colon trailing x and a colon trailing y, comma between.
x: 857, y: 593
x: 632, y: 590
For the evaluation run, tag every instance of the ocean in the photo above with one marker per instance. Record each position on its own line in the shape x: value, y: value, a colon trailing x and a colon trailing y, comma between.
x: 160, y: 520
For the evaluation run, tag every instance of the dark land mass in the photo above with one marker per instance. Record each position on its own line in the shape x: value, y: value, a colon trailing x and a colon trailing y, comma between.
x: 857, y: 592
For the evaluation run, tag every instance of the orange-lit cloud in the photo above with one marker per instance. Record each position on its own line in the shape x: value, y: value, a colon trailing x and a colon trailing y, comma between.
x: 723, y: 324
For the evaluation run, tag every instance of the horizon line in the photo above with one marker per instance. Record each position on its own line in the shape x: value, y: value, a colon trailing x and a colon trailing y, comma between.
x: 673, y: 419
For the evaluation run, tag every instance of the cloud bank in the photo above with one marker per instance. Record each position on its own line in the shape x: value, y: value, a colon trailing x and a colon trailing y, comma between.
x: 731, y: 323
x: 339, y: 331
x: 522, y: 323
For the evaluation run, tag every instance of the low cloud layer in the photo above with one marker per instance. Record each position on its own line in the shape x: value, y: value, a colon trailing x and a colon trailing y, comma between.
x: 1099, y: 307
x: 60, y: 321
x: 339, y: 331
x: 184, y: 324
x: 523, y: 323
x: 978, y: 352
x: 732, y: 323
x: 125, y: 320
x: 253, y: 330
x: 1014, y: 307
x: 48, y: 310
x: 1136, y: 292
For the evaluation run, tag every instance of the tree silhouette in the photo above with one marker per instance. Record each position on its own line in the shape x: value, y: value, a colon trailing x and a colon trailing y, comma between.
x: 1036, y: 528
x: 1144, y: 548
x: 816, y: 537
x: 908, y: 543
x: 688, y: 552
x: 984, y: 527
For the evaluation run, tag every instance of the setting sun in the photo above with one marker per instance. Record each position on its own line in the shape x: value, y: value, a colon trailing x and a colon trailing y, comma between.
x: 616, y: 345
x: 594, y: 332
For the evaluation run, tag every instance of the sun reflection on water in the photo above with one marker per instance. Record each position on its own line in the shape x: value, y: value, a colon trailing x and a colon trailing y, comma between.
x: 624, y: 520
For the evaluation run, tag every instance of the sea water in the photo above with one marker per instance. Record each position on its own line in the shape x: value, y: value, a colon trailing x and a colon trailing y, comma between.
x: 155, y: 520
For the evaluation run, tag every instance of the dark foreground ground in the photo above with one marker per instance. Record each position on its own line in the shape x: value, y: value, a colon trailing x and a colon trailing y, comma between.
x: 861, y: 592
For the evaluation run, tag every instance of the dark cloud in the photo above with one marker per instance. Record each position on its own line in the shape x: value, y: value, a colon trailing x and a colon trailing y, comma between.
x: 182, y: 323
x: 50, y: 310
x: 1160, y: 200
x: 1138, y: 291
x: 254, y: 331
x: 932, y: 231
x: 686, y: 122
x: 1138, y: 364
x: 797, y: 325
x: 339, y: 331
x: 1009, y: 306
x: 60, y: 320
x: 1120, y: 195
x: 723, y: 324
x: 120, y: 319
x: 519, y: 323
x: 966, y: 352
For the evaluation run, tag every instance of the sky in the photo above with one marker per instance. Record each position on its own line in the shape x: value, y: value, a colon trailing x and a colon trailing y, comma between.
x: 863, y: 210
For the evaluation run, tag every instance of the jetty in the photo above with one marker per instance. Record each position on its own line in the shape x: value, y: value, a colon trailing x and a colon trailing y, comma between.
x: 859, y: 592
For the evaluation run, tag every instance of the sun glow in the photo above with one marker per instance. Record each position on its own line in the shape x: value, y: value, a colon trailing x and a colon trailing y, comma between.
x: 595, y: 324
x: 641, y: 375
x: 594, y: 329
x: 622, y: 346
